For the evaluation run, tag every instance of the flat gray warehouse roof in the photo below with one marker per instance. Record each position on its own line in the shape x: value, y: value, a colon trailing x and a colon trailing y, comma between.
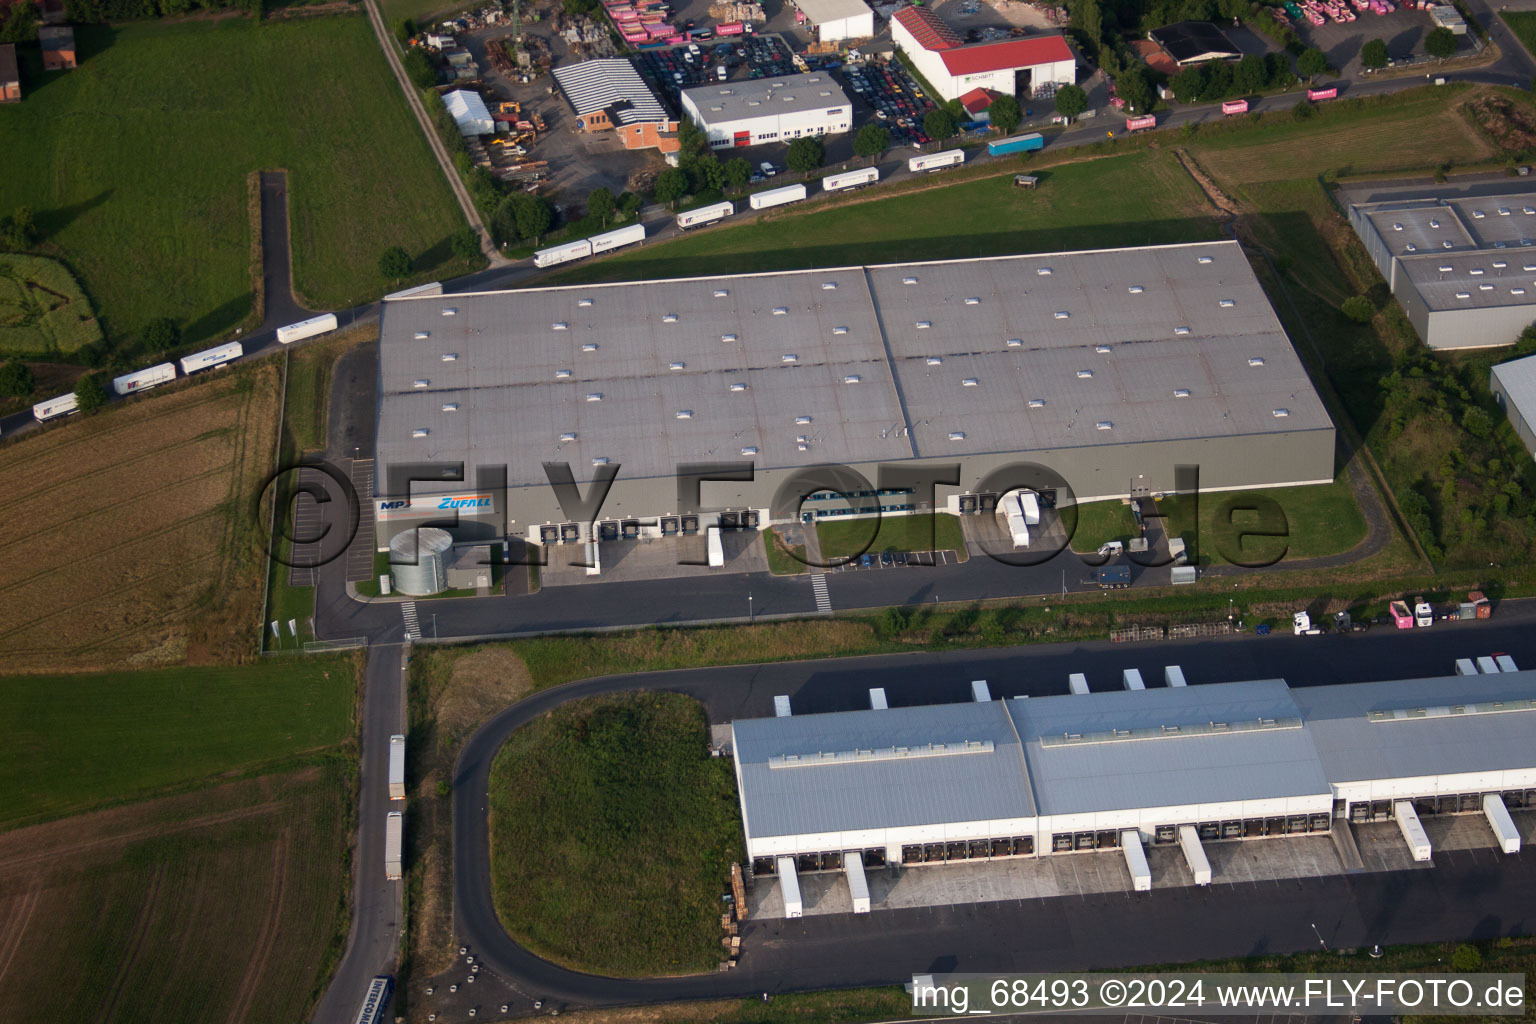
x: 847, y: 365
x: 843, y: 772
x: 787, y: 94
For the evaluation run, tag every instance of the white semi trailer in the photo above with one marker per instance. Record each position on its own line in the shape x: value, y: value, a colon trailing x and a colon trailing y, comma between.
x: 397, y: 767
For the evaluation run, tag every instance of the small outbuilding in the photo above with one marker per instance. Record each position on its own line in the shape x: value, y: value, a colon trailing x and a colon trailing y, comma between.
x: 58, y: 45
x: 1514, y: 388
x: 1194, y: 42
x: 10, y: 78
x: 978, y: 104
x: 835, y: 20
x: 469, y: 113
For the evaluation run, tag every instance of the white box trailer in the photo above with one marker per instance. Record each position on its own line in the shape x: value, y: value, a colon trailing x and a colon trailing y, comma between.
x: 1173, y: 675
x: 1505, y: 663
x: 704, y: 215
x: 143, y: 380
x: 858, y: 885
x: 1136, y: 860
x: 563, y: 253
x: 1029, y: 504
x: 1487, y: 666
x: 397, y: 767
x: 850, y: 179
x: 931, y: 162
x: 1465, y: 667
x: 1078, y: 682
x: 1194, y: 854
x: 53, y: 408
x: 315, y: 325
x: 1413, y: 830
x: 610, y: 240
x: 979, y: 692
x: 789, y: 886
x: 877, y: 699
x: 1132, y: 679
x: 1502, y: 824
x: 430, y: 288
x: 211, y: 358
x: 781, y: 706
x: 394, y: 831
x: 716, y: 548
x: 777, y: 196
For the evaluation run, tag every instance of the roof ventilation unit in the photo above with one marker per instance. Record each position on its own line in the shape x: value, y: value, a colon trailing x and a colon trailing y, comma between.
x: 685, y: 414
x: 1476, y: 271
x: 562, y: 374
x: 590, y: 346
x: 1181, y: 392
x: 420, y: 432
x: 1181, y: 331
x: 677, y: 365
x: 974, y: 300
x: 721, y: 293
x: 727, y: 338
x: 450, y: 407
x: 670, y: 318
x: 923, y: 325
x: 1014, y: 342
x: 423, y: 334
x: 780, y: 310
x: 1477, y: 214
x: 935, y: 360
x: 969, y: 382
x: 1485, y: 287
x: 789, y: 357
x: 1084, y: 374
x: 829, y: 286
x: 601, y: 460
x: 1202, y: 259
x: 1410, y: 247
x: 909, y: 280
x: 1446, y: 268
x: 1434, y: 222
x: 839, y: 330
x: 450, y: 357
x: 1517, y: 291
x: 596, y: 396
x: 583, y: 303
x: 1463, y: 295
x: 738, y: 386
x: 1104, y: 425
x: 1255, y: 360
x: 1061, y: 314
x: 1037, y: 403
x: 852, y: 378
x: 1102, y: 349
x: 421, y: 382
x: 957, y: 435
x: 1503, y: 211
x: 750, y: 449
x: 1135, y: 289
x: 450, y: 311
x: 1397, y: 227
x: 1281, y: 414
x: 560, y: 325
x: 1226, y: 303
x: 1043, y: 271
x: 569, y: 435
x: 1499, y: 264
x: 802, y: 420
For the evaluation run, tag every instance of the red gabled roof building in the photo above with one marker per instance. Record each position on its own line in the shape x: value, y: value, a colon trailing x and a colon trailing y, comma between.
x: 955, y: 68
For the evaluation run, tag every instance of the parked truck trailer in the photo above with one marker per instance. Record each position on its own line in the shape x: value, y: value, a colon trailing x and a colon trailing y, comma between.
x: 704, y: 215
x: 850, y: 180
x: 211, y: 358
x: 1017, y: 144
x: 53, y: 408
x: 610, y: 240
x: 563, y: 253
x: 394, y: 829
x: 1231, y: 107
x: 932, y: 162
x: 777, y: 196
x: 397, y: 767
x: 143, y: 380
x: 1142, y: 123
x: 314, y: 326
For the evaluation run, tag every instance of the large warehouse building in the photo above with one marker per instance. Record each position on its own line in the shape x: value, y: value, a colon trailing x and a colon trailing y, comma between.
x: 1087, y: 771
x: 1463, y: 266
x: 1514, y: 388
x: 763, y: 110
x: 1034, y: 65
x: 1110, y: 367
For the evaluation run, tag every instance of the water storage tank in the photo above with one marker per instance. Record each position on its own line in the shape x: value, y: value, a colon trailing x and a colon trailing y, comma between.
x: 424, y: 571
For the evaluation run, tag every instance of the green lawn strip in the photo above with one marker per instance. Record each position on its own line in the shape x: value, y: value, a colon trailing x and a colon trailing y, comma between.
x: 1099, y: 522
x: 1085, y: 205
x: 1304, y: 522
x: 43, y: 311
x: 160, y: 126
x: 80, y: 741
x: 1523, y: 25
x: 612, y: 835
x: 849, y: 538
x: 783, y: 562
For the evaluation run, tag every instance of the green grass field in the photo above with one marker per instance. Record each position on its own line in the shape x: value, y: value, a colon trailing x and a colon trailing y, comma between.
x: 43, y: 312
x: 81, y: 741
x: 1315, y: 521
x: 1523, y: 25
x: 782, y: 561
x: 1101, y: 521
x: 1139, y: 198
x: 612, y: 835
x: 136, y: 163
x: 852, y: 537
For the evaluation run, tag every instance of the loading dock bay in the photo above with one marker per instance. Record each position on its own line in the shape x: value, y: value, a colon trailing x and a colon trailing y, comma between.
x: 1380, y: 843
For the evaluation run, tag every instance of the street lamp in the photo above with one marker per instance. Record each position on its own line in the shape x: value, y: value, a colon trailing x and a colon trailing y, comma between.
x: 749, y: 606
x: 1320, y: 938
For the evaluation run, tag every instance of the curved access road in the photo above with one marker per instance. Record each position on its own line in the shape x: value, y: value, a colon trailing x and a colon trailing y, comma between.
x: 1467, y: 894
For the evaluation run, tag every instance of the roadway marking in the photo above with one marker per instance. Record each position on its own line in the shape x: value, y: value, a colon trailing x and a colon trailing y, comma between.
x: 819, y: 588
x: 308, y: 521
x: 360, y: 550
x: 412, y: 627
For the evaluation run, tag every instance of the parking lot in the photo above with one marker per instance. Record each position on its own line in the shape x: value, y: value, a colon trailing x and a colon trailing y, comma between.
x: 1403, y: 30
x: 893, y: 98
x: 653, y: 558
x: 675, y: 68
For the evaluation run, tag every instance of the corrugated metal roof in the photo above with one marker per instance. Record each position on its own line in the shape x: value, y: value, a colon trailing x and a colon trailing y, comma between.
x: 927, y: 28
x: 1518, y: 379
x: 820, y: 12
x: 855, y: 794
x: 610, y: 84
x: 513, y: 402
x: 1353, y: 748
x: 787, y: 94
x: 1174, y: 768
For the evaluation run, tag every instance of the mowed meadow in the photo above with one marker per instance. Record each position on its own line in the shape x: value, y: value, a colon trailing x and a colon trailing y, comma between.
x: 136, y: 166
x: 130, y: 539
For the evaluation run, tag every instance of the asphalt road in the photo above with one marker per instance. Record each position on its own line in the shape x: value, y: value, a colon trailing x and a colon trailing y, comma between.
x: 1468, y: 894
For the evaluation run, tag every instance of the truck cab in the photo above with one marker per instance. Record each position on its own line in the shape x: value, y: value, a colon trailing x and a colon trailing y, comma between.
x: 1423, y: 612
x: 1114, y: 577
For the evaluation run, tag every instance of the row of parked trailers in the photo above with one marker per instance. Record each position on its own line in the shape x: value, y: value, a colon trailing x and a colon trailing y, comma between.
x: 163, y: 373
x: 844, y: 182
x: 596, y: 245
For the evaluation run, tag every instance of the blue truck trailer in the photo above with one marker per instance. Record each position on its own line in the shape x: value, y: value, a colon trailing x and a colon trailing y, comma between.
x: 1018, y: 144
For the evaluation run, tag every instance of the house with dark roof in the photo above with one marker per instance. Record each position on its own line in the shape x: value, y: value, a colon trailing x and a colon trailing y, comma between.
x: 1030, y: 65
x: 10, y: 78
x: 1194, y: 42
x: 58, y: 44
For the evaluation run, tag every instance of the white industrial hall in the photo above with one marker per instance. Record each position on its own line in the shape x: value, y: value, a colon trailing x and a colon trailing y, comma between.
x: 1170, y: 764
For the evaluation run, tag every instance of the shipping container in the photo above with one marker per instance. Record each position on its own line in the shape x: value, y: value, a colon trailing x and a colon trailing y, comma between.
x: 1194, y: 854
x: 563, y: 253
x: 789, y: 886
x: 306, y: 328
x: 1173, y: 675
x: 704, y: 215
x: 1502, y: 824
x: 1136, y: 124
x: 1323, y: 94
x: 430, y: 288
x: 1413, y: 830
x: 1132, y: 679
x: 858, y: 886
x: 850, y: 179
x: 730, y: 28
x: 1464, y: 667
x: 1231, y: 107
x: 716, y: 548
x: 1136, y: 860
x: 1182, y: 574
x: 394, y: 829
x: 610, y: 240
x: 1077, y: 682
x: 1402, y: 618
x: 1505, y: 663
x: 376, y: 1000
x: 143, y: 380
x: 55, y: 407
x: 1487, y: 666
x: 397, y: 767
x: 1018, y: 144
x: 777, y: 197
x: 980, y: 693
x: 211, y: 357
x: 931, y: 162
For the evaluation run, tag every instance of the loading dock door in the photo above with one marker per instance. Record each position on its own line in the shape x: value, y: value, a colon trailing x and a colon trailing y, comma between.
x: 1194, y: 855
